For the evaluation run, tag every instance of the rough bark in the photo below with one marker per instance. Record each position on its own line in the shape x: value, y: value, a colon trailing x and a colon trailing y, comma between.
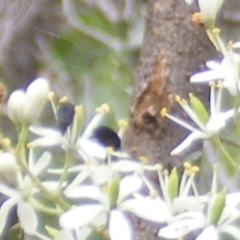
x: 173, y: 49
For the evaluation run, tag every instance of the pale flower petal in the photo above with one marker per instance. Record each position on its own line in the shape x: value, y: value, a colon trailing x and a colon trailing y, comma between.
x: 188, y: 141
x: 233, y: 199
x: 64, y: 234
x: 8, y: 169
x: 8, y: 191
x: 27, y: 217
x: 178, y: 229
x: 82, y: 191
x: 91, y: 148
x: 51, y: 186
x: 41, y: 131
x: 41, y: 164
x: 209, y: 9
x: 128, y: 185
x: 4, y: 212
x: 80, y: 216
x: 119, y: 227
x: 126, y: 166
x: 206, y: 76
x: 38, y: 89
x: 208, y: 233
x: 15, y: 105
x: 150, y: 209
x: 36, y: 97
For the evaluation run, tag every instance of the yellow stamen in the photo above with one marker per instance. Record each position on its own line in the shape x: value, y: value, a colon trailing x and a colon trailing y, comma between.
x: 78, y: 108
x: 187, y: 165
x: 165, y: 172
x: 220, y: 84
x: 216, y: 30
x: 158, y: 166
x: 63, y: 100
x: 6, y: 142
x: 195, y: 169
x: 143, y: 159
x: 51, y: 95
x: 212, y: 84
x: 153, y: 193
x: 31, y: 145
x: 104, y: 108
x: 122, y: 124
x: 229, y: 45
x: 109, y: 150
x: 163, y: 112
x: 177, y: 98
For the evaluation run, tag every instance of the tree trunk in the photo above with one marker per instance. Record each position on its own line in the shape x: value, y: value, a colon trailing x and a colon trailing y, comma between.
x: 173, y: 49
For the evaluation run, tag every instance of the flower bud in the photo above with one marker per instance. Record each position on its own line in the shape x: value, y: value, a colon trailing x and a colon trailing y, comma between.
x: 8, y: 169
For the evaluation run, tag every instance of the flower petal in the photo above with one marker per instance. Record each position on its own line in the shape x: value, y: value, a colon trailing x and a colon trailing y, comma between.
x: 47, y: 141
x: 119, y: 227
x: 91, y: 148
x: 208, y: 233
x: 178, y: 229
x: 126, y: 166
x: 41, y: 131
x: 206, y: 76
x: 83, y: 192
x: 64, y: 234
x: 150, y: 209
x: 128, y: 185
x: 188, y: 141
x: 5, y: 211
x: 41, y: 164
x: 80, y: 216
x: 27, y: 217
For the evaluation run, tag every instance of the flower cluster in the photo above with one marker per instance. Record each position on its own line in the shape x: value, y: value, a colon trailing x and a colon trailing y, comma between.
x: 223, y: 79
x: 81, y: 180
x: 88, y: 189
x: 73, y: 180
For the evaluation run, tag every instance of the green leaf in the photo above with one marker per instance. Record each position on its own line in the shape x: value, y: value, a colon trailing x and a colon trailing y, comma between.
x: 199, y: 109
x: 173, y: 184
x: 53, y: 232
x: 216, y: 207
x: 113, y: 190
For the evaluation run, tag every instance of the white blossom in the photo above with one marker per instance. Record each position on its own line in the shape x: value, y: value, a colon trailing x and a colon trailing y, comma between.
x: 20, y: 190
x: 128, y: 185
x: 216, y: 121
x: 25, y: 106
x: 209, y: 10
x: 227, y: 71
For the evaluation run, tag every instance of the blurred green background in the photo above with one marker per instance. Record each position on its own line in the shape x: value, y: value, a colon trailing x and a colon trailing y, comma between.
x: 87, y: 49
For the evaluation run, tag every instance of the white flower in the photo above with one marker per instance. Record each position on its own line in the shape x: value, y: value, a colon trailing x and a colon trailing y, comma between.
x: 190, y: 215
x: 227, y: 70
x: 209, y: 10
x: 208, y: 233
x: 25, y: 106
x: 64, y: 235
x: 182, y: 225
x: 71, y: 139
x: 204, y: 130
x: 20, y: 190
x: 119, y: 227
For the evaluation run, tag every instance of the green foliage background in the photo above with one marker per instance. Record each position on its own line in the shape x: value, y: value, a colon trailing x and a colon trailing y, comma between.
x: 77, y: 64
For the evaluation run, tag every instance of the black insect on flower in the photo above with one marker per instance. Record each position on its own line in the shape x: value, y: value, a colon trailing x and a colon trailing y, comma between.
x: 107, y: 137
x: 65, y: 115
